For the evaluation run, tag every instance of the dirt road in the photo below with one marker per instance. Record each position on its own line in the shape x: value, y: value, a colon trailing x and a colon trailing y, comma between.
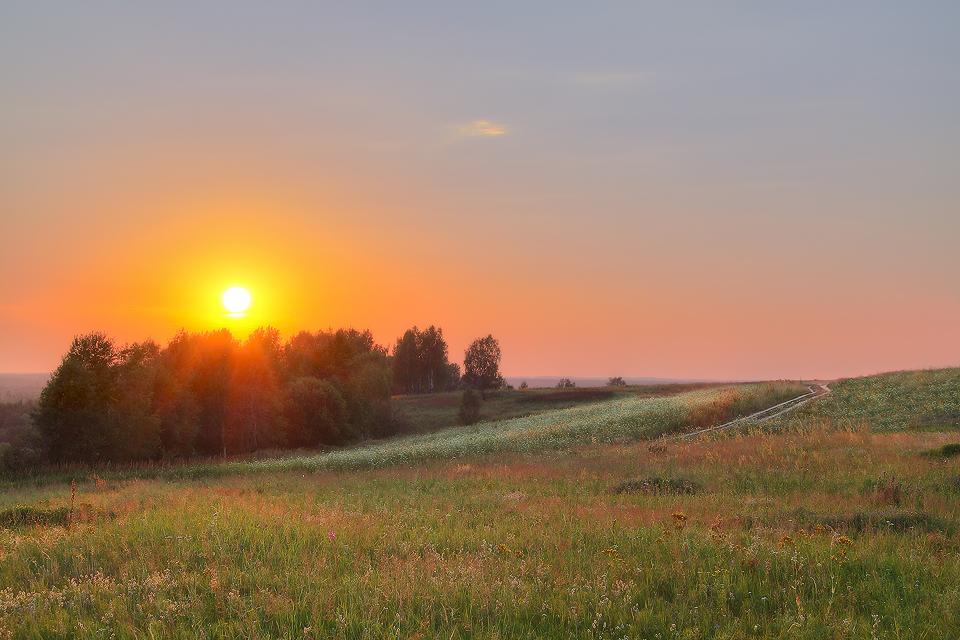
x: 817, y: 390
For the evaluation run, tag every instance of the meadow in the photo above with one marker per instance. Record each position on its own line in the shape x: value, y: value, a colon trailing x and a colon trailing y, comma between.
x: 840, y: 521
x: 926, y: 399
x: 433, y: 411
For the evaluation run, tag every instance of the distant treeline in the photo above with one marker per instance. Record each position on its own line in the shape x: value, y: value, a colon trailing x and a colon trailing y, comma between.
x: 211, y: 394
x: 208, y: 394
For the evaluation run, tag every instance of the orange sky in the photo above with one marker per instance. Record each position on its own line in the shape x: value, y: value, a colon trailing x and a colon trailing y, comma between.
x: 725, y: 203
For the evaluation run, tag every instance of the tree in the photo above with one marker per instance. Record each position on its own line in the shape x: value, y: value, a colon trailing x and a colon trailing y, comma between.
x: 404, y: 363
x: 360, y: 373
x: 72, y: 413
x: 566, y: 383
x: 368, y: 396
x: 135, y: 426
x: 253, y: 417
x: 616, y: 382
x: 199, y: 372
x: 453, y: 376
x: 97, y: 406
x: 524, y: 385
x: 419, y: 363
x: 434, y: 367
x: 481, y: 365
x: 317, y: 412
x: 207, y: 393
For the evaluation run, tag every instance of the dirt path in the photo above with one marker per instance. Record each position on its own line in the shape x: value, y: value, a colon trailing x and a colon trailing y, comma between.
x: 817, y: 390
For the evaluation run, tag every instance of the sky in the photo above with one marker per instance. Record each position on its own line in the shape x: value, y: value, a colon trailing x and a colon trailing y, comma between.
x: 743, y: 190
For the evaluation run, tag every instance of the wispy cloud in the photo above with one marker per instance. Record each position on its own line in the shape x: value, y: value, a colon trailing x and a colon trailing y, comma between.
x: 483, y: 128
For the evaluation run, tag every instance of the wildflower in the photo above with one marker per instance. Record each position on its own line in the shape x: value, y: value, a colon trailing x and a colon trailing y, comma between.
x: 844, y: 540
x: 332, y: 536
x: 679, y: 519
x: 785, y: 541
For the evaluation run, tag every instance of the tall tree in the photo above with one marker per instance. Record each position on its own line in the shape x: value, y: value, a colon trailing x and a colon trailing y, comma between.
x: 434, y: 366
x: 481, y: 365
x: 97, y: 406
x: 317, y: 412
x: 207, y: 393
x: 405, y: 363
x: 254, y: 416
x: 135, y: 426
x: 453, y: 379
x: 419, y: 361
x: 73, y: 409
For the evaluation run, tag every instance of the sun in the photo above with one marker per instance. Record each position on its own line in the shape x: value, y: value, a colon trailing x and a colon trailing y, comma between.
x: 236, y: 299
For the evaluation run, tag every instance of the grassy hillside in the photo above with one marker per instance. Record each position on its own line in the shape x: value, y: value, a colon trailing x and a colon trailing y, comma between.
x: 551, y: 526
x: 429, y: 412
x: 631, y: 417
x: 928, y: 399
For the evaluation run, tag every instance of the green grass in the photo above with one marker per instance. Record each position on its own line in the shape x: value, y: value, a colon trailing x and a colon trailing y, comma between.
x: 815, y: 530
x: 434, y: 411
x: 928, y: 399
x: 22, y: 515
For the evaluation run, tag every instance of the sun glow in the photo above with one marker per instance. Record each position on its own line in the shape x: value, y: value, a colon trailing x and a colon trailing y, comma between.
x: 236, y: 300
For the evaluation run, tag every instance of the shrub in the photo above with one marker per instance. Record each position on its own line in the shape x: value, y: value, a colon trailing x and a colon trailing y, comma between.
x: 950, y: 450
x: 469, y: 412
x: 659, y: 485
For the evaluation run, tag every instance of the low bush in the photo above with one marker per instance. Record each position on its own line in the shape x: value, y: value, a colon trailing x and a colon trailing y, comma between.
x: 659, y: 485
x: 469, y: 411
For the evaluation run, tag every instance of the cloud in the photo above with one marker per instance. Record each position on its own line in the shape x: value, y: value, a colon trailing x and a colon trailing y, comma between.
x: 482, y: 128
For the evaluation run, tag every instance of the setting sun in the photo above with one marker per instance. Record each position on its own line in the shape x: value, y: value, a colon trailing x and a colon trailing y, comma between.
x: 236, y: 300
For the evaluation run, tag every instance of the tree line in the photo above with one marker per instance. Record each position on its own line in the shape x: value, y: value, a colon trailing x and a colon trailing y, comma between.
x: 210, y: 394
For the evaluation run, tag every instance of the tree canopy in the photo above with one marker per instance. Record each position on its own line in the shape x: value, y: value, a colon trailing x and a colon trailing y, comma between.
x: 209, y: 394
x: 420, y: 362
x: 481, y: 365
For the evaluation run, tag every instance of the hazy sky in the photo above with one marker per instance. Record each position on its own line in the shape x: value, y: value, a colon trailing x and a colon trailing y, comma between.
x: 717, y: 190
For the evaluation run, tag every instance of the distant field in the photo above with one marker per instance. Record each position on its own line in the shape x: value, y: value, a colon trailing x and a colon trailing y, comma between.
x: 550, y: 382
x: 430, y: 412
x: 927, y: 399
x: 561, y: 524
x: 22, y: 386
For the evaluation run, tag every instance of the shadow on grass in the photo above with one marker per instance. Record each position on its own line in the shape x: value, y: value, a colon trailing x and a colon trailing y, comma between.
x: 894, y: 521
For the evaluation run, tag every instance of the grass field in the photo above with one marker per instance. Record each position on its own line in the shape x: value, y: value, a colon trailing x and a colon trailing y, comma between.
x: 562, y: 524
x: 894, y: 401
x: 430, y: 412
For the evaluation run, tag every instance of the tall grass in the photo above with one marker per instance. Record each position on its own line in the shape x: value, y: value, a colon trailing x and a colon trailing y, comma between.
x: 893, y: 401
x: 553, y: 526
x: 514, y: 546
